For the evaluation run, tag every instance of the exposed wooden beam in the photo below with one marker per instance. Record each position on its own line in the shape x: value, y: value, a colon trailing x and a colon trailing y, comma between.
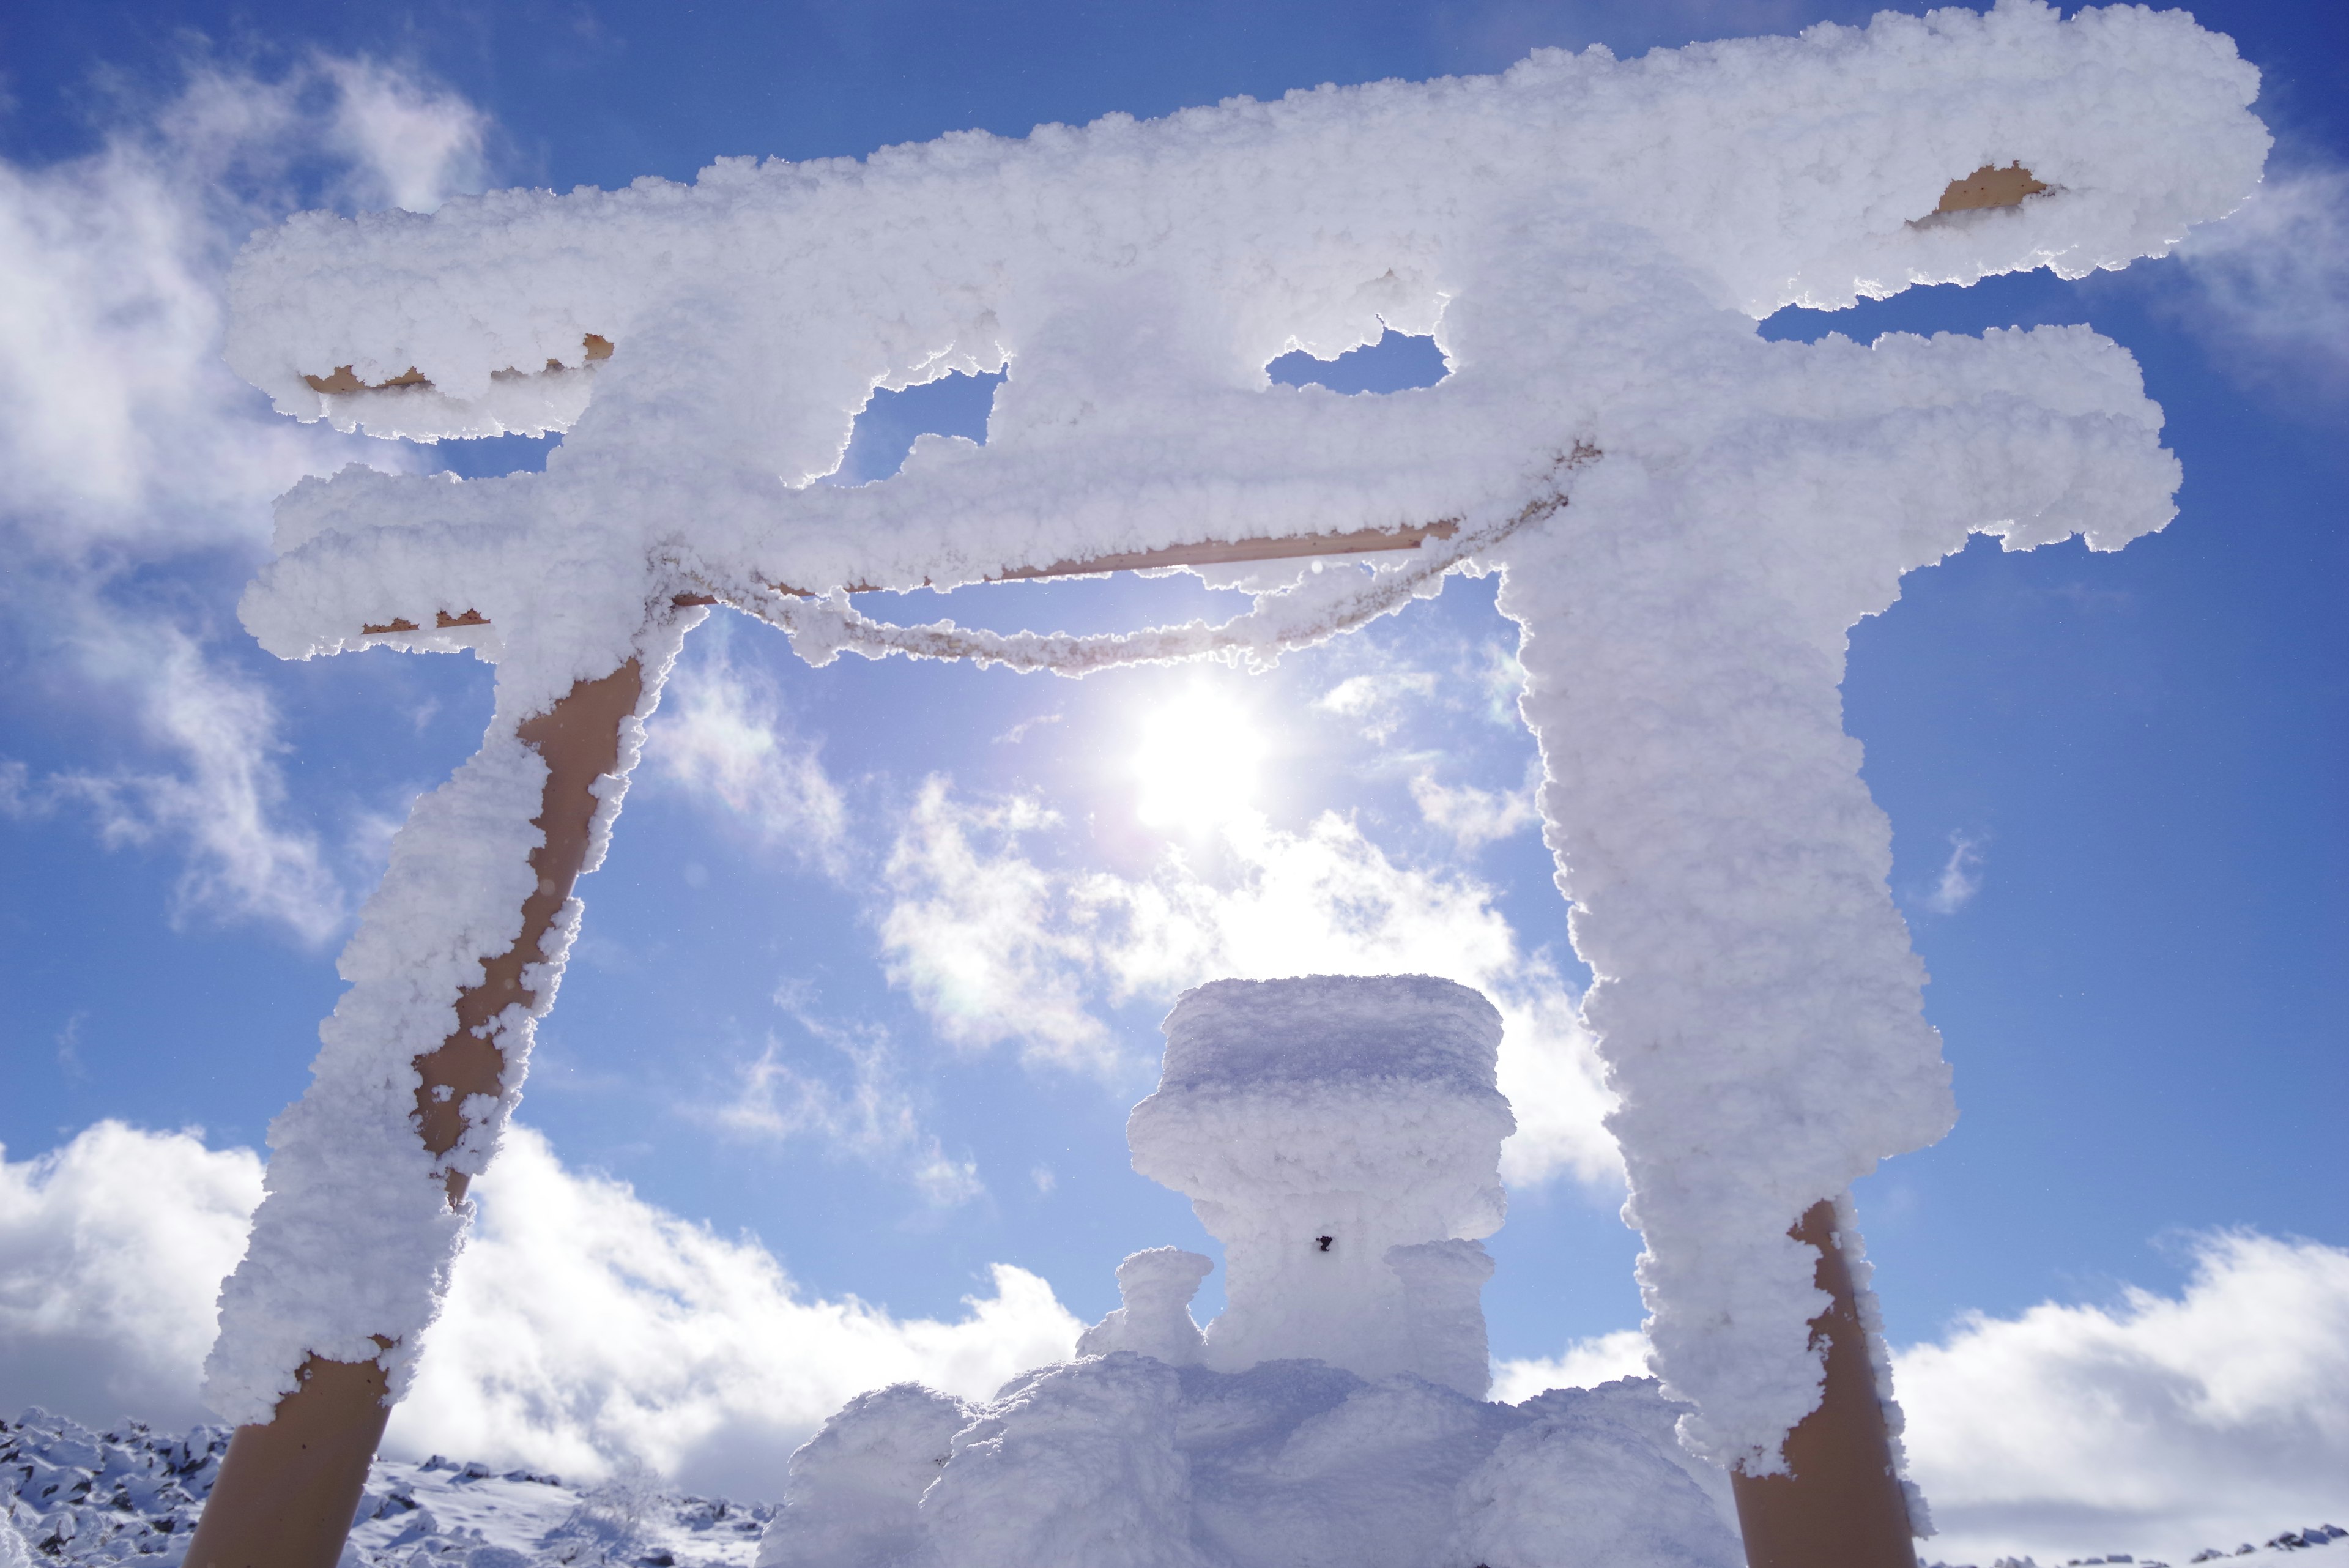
x: 1211, y: 552
x: 342, y: 381
x: 1990, y: 186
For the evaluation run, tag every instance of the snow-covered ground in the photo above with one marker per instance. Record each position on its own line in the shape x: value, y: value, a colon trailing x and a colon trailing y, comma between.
x: 74, y: 1495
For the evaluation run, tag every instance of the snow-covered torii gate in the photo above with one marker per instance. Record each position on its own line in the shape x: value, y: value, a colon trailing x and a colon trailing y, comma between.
x: 1689, y: 518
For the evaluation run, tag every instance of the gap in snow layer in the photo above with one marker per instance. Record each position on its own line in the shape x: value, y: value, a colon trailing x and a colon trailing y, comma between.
x: 1395, y: 363
x: 493, y: 457
x: 956, y: 404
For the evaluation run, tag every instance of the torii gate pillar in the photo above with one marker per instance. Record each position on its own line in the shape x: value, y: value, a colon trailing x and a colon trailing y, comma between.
x: 288, y: 1488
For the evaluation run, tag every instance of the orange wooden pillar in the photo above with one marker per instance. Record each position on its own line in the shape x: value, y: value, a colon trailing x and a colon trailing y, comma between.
x: 287, y: 1489
x: 1841, y: 1505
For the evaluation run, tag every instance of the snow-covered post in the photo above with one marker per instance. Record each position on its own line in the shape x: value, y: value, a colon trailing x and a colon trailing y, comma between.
x: 1838, y: 1502
x: 360, y: 1208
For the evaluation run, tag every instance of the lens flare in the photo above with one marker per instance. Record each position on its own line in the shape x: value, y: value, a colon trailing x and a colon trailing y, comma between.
x: 1197, y: 762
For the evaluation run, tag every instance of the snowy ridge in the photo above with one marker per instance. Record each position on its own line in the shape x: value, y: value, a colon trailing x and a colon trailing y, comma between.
x: 2318, y: 1546
x: 130, y: 1494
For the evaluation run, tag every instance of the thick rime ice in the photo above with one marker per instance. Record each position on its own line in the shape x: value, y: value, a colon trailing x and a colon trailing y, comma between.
x: 1581, y: 234
x: 1342, y: 1137
x: 1126, y: 1463
x: 1588, y: 239
x: 355, y: 1236
x: 1153, y: 1314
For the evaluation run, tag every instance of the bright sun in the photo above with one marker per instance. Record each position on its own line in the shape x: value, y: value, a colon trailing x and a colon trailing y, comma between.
x: 1197, y: 761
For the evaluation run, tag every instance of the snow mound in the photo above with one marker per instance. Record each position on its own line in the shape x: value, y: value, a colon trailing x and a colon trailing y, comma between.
x: 1122, y: 1461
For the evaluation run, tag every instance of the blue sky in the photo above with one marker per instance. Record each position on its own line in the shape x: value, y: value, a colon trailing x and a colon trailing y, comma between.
x: 2115, y: 782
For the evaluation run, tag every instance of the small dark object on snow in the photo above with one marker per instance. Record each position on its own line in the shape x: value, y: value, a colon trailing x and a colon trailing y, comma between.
x: 1324, y: 1242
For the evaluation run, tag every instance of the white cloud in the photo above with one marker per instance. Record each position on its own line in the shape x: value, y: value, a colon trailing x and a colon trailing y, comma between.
x: 111, y: 1253
x: 127, y: 446
x: 1377, y: 700
x: 720, y: 735
x: 408, y: 145
x: 2163, y: 1425
x: 584, y: 1323
x: 982, y: 937
x: 873, y: 1119
x: 995, y: 947
x: 1961, y: 876
x: 225, y: 803
x: 119, y: 423
x: 1475, y: 817
x: 2160, y: 1427
x: 1586, y: 1364
x: 585, y: 1326
x: 2270, y: 290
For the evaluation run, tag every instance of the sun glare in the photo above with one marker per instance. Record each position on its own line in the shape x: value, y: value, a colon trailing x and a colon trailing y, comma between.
x: 1197, y: 762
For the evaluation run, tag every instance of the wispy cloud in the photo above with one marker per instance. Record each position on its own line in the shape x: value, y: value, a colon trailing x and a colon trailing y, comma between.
x: 584, y: 1328
x: 721, y: 735
x: 996, y: 946
x: 2268, y: 289
x: 873, y: 1119
x: 1376, y: 699
x: 405, y: 143
x: 224, y: 803
x: 987, y: 942
x: 1961, y: 876
x: 133, y: 465
x: 1475, y: 817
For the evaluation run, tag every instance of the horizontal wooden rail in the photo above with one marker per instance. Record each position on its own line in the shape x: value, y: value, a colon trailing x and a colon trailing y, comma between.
x: 1209, y: 553
x: 341, y: 381
x: 1989, y: 186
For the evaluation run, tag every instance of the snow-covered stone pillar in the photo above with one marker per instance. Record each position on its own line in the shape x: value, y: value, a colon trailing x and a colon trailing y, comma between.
x: 1342, y: 1137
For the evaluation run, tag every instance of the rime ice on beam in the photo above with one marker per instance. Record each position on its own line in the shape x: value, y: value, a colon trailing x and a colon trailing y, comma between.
x: 1342, y: 1137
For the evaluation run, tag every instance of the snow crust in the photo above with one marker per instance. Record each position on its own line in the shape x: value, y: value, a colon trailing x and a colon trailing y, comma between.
x: 1340, y: 1136
x: 1589, y: 241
